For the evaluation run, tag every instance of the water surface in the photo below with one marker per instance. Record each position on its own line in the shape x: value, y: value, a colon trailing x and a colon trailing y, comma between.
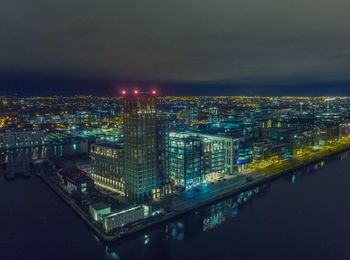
x: 303, y: 215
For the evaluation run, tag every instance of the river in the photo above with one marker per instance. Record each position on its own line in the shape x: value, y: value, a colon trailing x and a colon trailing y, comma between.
x: 302, y: 215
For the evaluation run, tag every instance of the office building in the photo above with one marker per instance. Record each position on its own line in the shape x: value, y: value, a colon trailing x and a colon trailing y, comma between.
x: 186, y: 160
x: 145, y: 145
x: 107, y: 166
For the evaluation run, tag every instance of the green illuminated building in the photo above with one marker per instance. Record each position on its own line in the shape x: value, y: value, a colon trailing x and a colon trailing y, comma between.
x: 145, y: 148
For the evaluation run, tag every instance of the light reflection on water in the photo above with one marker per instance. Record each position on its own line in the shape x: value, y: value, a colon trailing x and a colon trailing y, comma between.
x: 254, y: 212
x: 207, y: 219
x: 36, y: 153
x: 344, y: 155
x: 203, y: 220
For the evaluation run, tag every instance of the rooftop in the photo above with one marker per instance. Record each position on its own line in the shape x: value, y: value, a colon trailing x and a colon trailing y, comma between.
x: 99, y: 205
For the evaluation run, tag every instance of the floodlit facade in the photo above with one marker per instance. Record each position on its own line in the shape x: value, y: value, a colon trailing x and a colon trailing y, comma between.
x: 222, y: 152
x: 145, y: 147
x: 98, y: 210
x: 123, y: 218
x: 186, y: 160
x: 163, y: 180
x: 218, y: 155
x: 107, y: 161
x: 214, y: 157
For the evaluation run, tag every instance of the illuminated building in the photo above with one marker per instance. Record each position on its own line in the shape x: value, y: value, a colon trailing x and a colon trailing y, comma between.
x: 191, y: 115
x: 244, y: 156
x: 21, y: 138
x: 262, y: 149
x: 187, y: 116
x: 186, y: 160
x: 107, y: 161
x: 98, y: 210
x: 123, y: 218
x: 214, y: 157
x: 214, y: 116
x: 145, y: 146
x: 163, y: 180
x: 221, y: 152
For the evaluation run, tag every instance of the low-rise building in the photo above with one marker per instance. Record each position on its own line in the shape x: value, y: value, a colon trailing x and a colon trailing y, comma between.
x: 122, y: 218
x: 221, y: 151
x: 76, y: 181
x: 98, y: 210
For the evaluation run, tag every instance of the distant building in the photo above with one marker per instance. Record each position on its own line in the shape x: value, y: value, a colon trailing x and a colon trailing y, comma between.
x: 262, y: 149
x: 294, y: 139
x: 187, y: 116
x: 214, y: 116
x: 21, y: 138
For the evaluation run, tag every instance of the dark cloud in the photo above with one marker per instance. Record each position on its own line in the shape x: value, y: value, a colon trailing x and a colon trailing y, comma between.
x: 231, y: 42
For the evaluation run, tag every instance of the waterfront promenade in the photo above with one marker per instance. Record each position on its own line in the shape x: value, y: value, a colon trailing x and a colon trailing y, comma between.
x: 187, y: 201
x: 192, y: 200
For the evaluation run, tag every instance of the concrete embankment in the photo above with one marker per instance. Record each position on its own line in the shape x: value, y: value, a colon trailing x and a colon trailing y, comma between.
x: 65, y: 197
x: 258, y: 179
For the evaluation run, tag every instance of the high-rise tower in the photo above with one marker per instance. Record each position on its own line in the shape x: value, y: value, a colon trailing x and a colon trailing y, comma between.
x: 145, y: 147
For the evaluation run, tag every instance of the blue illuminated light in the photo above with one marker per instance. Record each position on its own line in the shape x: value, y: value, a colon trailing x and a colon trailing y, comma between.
x: 235, y: 212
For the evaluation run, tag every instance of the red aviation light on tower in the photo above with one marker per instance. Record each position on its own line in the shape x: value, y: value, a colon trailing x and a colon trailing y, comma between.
x: 136, y: 92
x: 123, y: 92
x: 154, y: 92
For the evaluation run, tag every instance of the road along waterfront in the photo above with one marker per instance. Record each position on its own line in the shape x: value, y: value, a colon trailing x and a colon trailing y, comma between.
x: 193, y: 200
x: 300, y: 215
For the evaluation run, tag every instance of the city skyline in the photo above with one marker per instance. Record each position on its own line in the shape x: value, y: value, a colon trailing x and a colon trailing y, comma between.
x: 128, y: 164
x: 162, y: 130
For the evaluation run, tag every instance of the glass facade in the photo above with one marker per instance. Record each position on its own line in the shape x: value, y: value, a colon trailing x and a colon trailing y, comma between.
x: 186, y: 169
x: 140, y: 135
x: 145, y: 148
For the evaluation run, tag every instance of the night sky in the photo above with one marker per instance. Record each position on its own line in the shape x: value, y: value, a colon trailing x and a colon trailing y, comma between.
x: 222, y: 47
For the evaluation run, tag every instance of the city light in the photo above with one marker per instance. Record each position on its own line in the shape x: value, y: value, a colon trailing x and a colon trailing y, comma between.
x: 209, y: 145
x: 155, y: 123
